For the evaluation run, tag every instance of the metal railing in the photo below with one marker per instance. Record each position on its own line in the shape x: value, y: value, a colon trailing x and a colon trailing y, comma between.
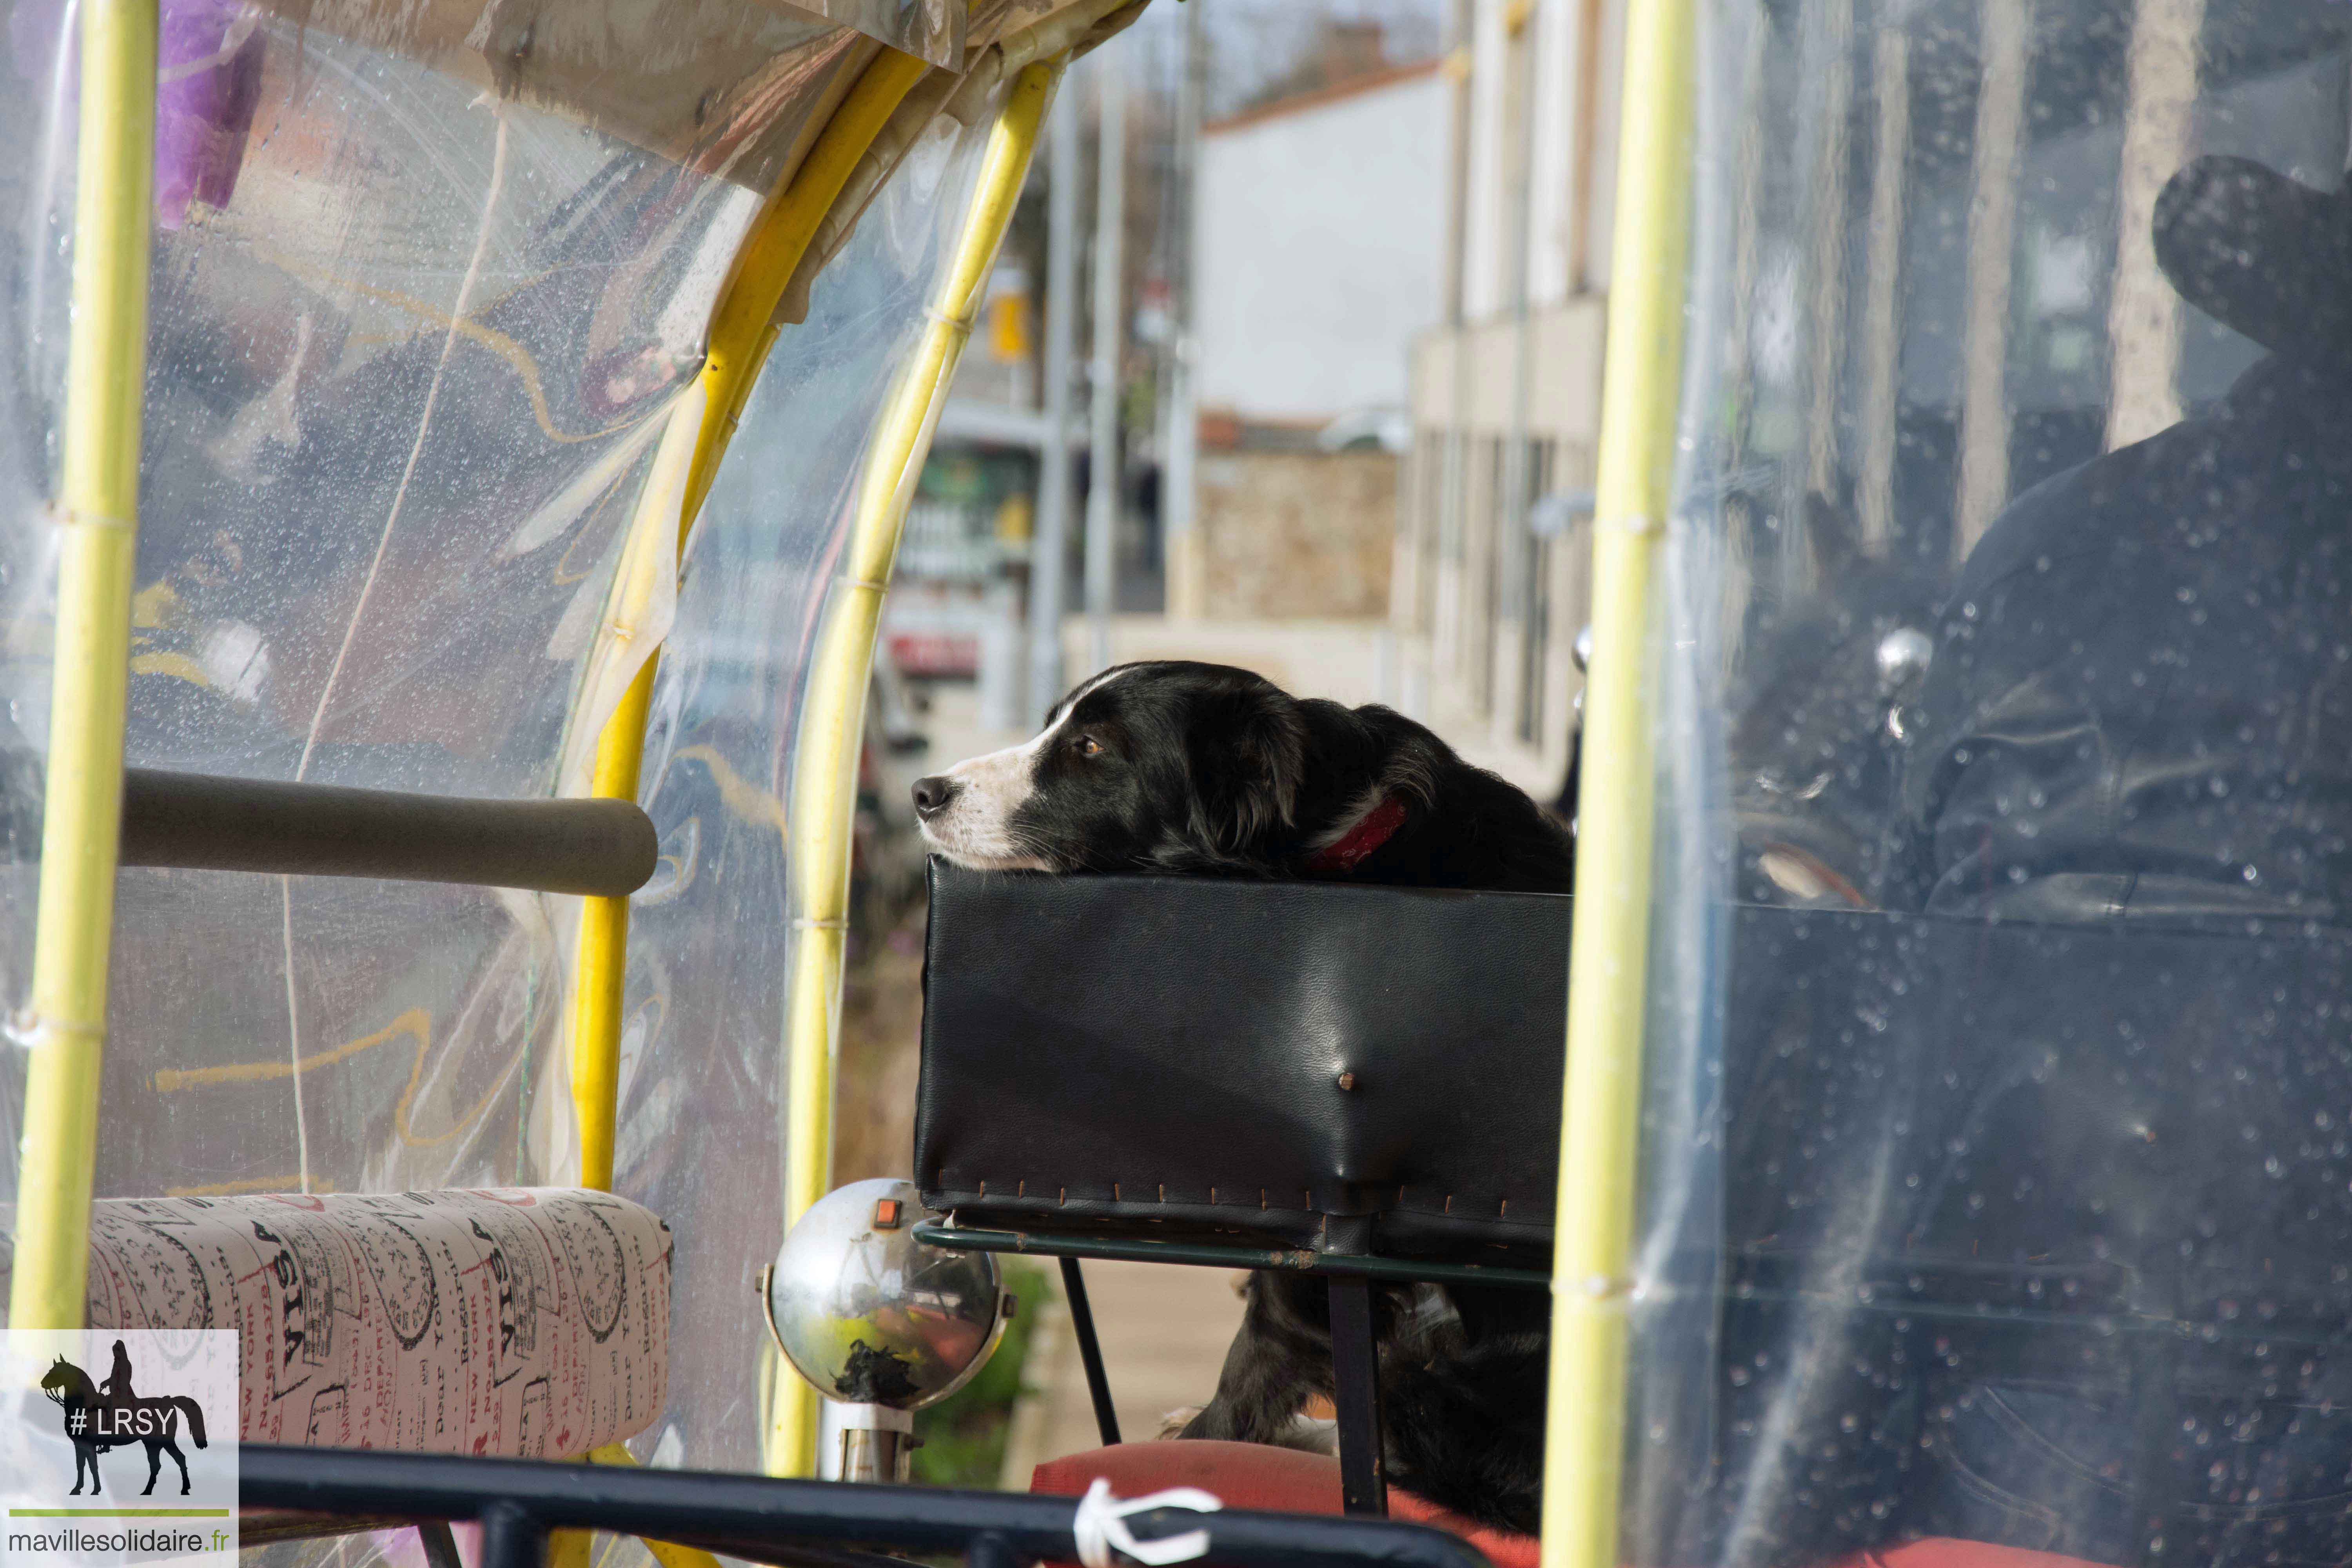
x: 519, y: 1501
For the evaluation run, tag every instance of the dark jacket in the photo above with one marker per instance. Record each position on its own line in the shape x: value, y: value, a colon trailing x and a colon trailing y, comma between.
x: 2140, y: 705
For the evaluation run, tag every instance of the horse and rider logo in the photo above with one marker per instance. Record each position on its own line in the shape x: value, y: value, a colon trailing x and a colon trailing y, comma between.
x: 112, y: 1415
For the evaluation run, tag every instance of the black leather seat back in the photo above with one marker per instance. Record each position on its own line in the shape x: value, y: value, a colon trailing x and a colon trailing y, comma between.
x: 1314, y: 1065
x: 1995, y: 1100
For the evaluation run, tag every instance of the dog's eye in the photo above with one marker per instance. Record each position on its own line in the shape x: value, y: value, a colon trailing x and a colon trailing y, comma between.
x: 1086, y: 746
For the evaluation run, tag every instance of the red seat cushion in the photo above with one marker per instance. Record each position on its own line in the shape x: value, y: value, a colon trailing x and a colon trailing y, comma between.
x: 1279, y: 1480
x: 1283, y: 1480
x: 1943, y: 1552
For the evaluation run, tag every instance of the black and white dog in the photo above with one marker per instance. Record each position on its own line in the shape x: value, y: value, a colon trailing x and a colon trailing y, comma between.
x: 1201, y: 768
x: 1205, y: 770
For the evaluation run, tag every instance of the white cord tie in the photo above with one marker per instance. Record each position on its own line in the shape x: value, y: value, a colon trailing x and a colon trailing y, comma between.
x: 1101, y: 1526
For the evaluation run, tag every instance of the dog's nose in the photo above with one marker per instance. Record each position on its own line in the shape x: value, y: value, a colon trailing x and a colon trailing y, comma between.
x: 932, y: 794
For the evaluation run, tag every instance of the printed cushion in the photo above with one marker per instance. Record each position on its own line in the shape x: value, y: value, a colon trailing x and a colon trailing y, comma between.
x: 531, y: 1322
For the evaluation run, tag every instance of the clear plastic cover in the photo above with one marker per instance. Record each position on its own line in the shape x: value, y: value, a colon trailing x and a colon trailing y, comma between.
x: 414, y: 348
x: 411, y: 346
x: 702, y: 1082
x: 34, y: 295
x: 1996, y: 1182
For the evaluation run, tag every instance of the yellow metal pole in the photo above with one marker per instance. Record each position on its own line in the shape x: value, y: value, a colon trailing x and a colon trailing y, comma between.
x: 98, y: 536
x: 667, y: 1553
x: 568, y: 1548
x: 1608, y: 955
x: 832, y: 723
x: 740, y: 336
x: 602, y: 965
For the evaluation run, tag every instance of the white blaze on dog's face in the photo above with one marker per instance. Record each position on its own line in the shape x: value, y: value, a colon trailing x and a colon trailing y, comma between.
x: 968, y: 814
x: 1146, y: 767
x: 974, y: 825
x: 971, y: 821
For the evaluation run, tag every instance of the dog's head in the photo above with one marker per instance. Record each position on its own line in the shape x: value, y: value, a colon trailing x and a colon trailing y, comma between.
x: 1161, y: 766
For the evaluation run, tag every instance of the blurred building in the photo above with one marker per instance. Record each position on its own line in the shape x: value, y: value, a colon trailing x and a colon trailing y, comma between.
x: 1493, y: 532
x: 967, y: 585
x: 1280, y: 263
x: 1315, y: 259
x: 958, y: 597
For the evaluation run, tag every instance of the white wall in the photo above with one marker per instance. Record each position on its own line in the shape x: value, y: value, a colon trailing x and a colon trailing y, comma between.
x: 1321, y: 251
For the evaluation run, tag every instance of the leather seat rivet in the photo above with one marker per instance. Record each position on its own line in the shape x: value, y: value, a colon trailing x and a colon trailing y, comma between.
x: 1347, y: 1081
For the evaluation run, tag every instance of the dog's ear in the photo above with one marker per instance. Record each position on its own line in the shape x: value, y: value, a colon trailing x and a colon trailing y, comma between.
x: 1248, y: 755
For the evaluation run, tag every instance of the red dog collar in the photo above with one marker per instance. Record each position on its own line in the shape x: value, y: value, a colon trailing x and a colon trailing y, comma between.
x: 1374, y: 828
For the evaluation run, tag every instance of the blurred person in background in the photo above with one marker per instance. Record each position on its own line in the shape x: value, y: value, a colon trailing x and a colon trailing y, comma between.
x: 2139, y: 712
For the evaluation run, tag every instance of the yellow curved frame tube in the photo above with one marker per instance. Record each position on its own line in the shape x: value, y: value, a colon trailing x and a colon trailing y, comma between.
x: 98, y: 537
x: 667, y: 1553
x: 818, y: 819
x: 741, y: 332
x: 1608, y: 950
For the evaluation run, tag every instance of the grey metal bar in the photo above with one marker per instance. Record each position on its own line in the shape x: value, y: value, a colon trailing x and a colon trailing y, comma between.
x: 1180, y: 444
x: 513, y: 1538
x: 1104, y: 470
x: 199, y: 822
x: 990, y: 1550
x: 1207, y: 1256
x: 1049, y: 547
x: 440, y: 1546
